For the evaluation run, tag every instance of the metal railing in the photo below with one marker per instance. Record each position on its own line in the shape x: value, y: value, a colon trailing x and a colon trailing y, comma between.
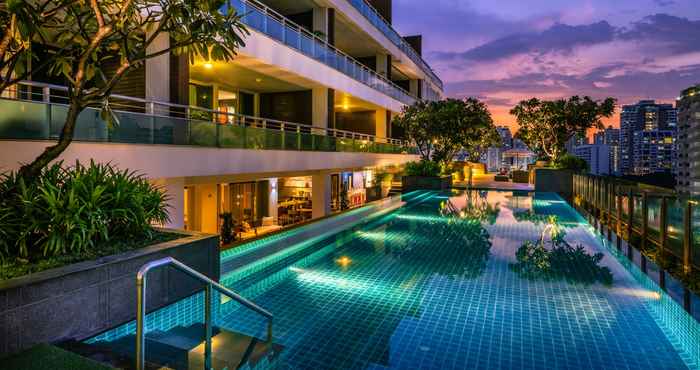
x: 376, y: 19
x: 208, y: 292
x: 33, y: 110
x: 657, y: 221
x: 273, y: 24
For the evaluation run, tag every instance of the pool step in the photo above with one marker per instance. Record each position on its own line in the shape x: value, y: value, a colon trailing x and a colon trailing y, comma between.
x: 182, y: 348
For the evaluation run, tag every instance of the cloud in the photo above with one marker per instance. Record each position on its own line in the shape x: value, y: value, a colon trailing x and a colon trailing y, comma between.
x: 681, y: 35
x: 557, y: 38
x: 664, y: 3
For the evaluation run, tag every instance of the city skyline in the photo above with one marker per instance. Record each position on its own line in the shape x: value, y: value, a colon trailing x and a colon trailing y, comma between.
x: 630, y: 50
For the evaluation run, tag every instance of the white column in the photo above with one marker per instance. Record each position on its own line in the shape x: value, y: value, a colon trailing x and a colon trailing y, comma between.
x: 274, y: 197
x: 174, y: 188
x: 158, y: 70
x: 413, y: 87
x: 256, y: 104
x: 380, y: 123
x: 321, y: 194
x: 319, y: 108
x: 320, y: 21
x: 206, y: 208
x: 382, y: 64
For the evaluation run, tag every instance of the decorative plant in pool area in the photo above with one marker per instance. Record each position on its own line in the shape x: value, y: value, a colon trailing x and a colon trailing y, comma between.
x: 441, y: 129
x: 73, y: 211
x: 558, y: 260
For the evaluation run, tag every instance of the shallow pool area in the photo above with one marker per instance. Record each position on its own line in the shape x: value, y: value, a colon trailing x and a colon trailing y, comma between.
x: 451, y: 280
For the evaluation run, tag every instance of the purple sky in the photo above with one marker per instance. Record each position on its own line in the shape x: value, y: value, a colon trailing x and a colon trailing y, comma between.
x: 503, y: 51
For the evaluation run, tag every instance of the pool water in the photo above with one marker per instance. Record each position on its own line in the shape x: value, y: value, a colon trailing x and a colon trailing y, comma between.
x: 445, y: 282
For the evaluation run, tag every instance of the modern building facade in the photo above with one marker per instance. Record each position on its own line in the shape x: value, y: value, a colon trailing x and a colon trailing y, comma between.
x: 688, y: 170
x: 647, y: 130
x: 575, y: 142
x: 610, y: 137
x: 298, y: 120
x: 597, y: 156
x: 494, y: 155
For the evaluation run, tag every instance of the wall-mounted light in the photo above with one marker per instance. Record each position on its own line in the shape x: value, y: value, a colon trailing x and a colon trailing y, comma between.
x: 208, y: 65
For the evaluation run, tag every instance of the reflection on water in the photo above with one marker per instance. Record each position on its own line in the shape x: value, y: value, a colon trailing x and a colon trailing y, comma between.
x: 449, y: 239
x: 555, y: 259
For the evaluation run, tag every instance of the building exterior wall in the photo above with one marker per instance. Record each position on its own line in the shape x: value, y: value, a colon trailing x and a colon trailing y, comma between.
x: 597, y: 156
x: 643, y: 116
x: 688, y: 170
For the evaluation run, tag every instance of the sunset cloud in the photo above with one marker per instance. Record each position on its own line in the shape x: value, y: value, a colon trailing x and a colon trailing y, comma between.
x: 627, y: 49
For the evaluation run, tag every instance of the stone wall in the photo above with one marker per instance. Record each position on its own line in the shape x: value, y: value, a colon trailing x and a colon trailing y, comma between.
x: 84, y: 299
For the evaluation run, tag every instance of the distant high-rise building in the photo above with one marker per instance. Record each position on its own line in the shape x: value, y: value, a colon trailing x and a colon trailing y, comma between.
x: 494, y: 159
x: 610, y: 137
x: 506, y: 137
x: 597, y: 156
x: 688, y: 169
x: 660, y: 122
x: 574, y: 142
x: 654, y: 151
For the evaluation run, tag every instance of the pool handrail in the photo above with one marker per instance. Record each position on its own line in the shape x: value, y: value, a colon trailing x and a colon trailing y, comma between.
x: 210, y: 284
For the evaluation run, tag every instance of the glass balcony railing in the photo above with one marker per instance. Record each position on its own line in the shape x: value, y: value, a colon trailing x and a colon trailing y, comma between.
x: 263, y: 19
x: 33, y: 112
x: 385, y: 28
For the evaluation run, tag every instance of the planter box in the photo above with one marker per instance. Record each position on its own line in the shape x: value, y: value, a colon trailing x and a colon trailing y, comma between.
x: 83, y: 299
x: 521, y: 177
x: 552, y: 180
x: 411, y: 183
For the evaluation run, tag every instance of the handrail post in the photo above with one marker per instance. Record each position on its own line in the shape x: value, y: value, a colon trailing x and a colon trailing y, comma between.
x: 618, y: 199
x: 207, y: 326
x: 630, y: 220
x: 687, y: 237
x: 663, y: 230
x: 645, y: 220
x: 140, y: 317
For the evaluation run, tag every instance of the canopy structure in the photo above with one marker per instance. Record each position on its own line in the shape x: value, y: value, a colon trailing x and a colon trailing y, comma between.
x: 518, y: 153
x: 519, y: 158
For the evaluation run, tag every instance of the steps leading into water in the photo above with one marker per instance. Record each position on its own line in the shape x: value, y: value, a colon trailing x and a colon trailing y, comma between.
x: 182, y: 348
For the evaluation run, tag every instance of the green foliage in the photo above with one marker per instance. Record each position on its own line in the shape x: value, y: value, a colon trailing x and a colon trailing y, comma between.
x: 442, y: 128
x: 571, y: 162
x: 422, y: 168
x: 72, y: 209
x: 227, y: 228
x: 546, y: 126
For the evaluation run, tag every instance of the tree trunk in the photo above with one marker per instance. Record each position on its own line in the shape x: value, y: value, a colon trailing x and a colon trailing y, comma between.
x: 30, y: 172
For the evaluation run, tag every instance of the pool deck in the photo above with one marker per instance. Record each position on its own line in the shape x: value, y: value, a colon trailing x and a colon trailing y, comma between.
x: 488, y: 181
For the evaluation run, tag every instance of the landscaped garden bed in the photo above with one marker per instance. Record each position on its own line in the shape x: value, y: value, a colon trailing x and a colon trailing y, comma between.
x: 71, y: 243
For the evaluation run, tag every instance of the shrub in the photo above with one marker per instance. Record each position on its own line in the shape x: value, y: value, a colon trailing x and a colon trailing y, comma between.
x: 422, y: 168
x: 68, y: 210
x: 571, y: 162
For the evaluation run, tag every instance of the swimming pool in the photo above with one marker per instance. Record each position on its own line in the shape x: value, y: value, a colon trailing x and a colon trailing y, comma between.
x: 447, y: 281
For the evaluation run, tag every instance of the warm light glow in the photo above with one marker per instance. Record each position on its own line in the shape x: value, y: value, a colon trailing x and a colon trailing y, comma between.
x: 345, y: 107
x: 208, y: 65
x: 258, y: 80
x: 344, y: 261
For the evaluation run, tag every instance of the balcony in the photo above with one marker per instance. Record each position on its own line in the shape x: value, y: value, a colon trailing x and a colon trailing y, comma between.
x: 387, y: 30
x: 35, y: 111
x: 267, y: 21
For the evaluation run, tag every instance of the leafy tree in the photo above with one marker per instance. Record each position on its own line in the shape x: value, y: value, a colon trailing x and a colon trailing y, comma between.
x: 23, y: 22
x: 442, y: 128
x: 90, y: 34
x: 546, y: 126
x: 417, y: 120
